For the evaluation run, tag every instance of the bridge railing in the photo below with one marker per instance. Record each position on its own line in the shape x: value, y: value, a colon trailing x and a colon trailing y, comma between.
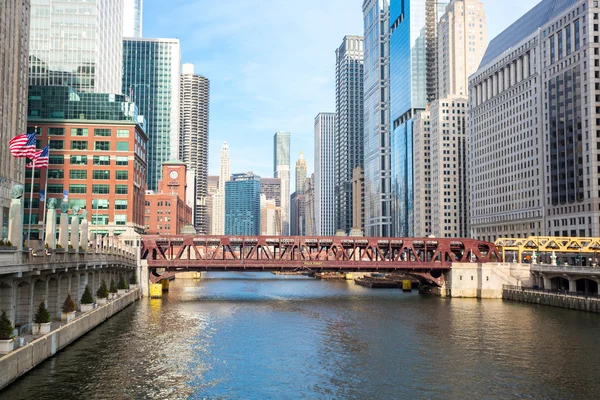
x: 565, y: 268
x: 22, y: 258
x: 582, y: 295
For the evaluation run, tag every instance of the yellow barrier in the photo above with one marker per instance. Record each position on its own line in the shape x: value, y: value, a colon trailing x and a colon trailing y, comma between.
x: 406, y: 286
x: 165, y: 285
x: 155, y: 291
x: 349, y: 277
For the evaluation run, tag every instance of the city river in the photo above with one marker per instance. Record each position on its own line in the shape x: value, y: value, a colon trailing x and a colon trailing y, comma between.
x: 259, y: 336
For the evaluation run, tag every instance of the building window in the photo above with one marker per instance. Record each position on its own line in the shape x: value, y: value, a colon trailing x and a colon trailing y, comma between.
x: 79, y: 145
x: 122, y: 146
x: 77, y: 189
x: 56, y: 131
x: 34, y: 218
x: 101, y: 132
x: 100, y: 204
x: 121, y: 189
x: 79, y: 131
x: 103, y: 175
x: 120, y: 204
x: 78, y: 174
x: 120, y: 219
x: 55, y: 144
x: 99, y: 219
x: 78, y: 160
x: 55, y: 188
x: 102, y: 146
x: 36, y: 187
x: 122, y: 175
x: 100, y: 189
x: 77, y: 203
x: 101, y: 160
x: 56, y: 160
x: 55, y: 173
x: 122, y: 160
x: 122, y: 133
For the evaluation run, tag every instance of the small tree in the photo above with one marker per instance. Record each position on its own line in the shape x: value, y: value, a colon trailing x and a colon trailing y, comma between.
x: 87, y: 297
x: 123, y: 283
x: 133, y: 280
x: 102, y: 291
x: 113, y: 286
x: 69, y: 305
x: 42, y: 316
x: 6, y: 328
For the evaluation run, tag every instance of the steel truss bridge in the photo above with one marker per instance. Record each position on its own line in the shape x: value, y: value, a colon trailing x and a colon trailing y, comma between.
x: 424, y: 258
x: 548, y: 244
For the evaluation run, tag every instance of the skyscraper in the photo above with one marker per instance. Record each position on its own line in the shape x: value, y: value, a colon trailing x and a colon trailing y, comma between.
x: 324, y: 183
x: 77, y: 44
x: 132, y: 18
x: 193, y: 138
x: 281, y: 170
x: 151, y: 74
x: 213, y: 188
x: 301, y: 172
x: 376, y: 147
x: 14, y: 47
x: 218, y: 216
x: 348, y: 125
x: 242, y: 205
x: 271, y: 188
x: 309, y: 206
x: 412, y: 60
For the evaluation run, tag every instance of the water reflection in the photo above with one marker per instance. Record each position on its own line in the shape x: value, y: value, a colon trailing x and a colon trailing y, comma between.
x: 258, y: 336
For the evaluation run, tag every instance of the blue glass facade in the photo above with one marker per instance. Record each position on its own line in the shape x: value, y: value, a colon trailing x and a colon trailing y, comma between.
x: 242, y: 205
x: 402, y: 179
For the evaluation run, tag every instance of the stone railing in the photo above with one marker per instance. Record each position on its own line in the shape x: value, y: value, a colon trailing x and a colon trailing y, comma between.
x: 565, y: 268
x: 12, y: 258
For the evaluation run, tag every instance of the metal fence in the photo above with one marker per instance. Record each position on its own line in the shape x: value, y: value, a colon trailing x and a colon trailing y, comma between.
x: 565, y: 293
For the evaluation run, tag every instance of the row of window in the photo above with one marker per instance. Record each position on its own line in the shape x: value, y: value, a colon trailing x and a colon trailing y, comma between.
x: 83, y: 160
x: 83, y: 145
x: 83, y: 174
x: 121, y: 133
x: 78, y: 188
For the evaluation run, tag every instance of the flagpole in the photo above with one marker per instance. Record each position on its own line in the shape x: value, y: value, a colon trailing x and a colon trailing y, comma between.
x: 43, y: 237
x: 30, y: 204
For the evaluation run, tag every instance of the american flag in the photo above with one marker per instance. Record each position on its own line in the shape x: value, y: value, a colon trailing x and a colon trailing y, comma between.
x: 23, y: 146
x: 41, y: 159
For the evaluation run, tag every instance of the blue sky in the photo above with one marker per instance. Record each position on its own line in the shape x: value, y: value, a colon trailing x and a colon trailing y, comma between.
x: 271, y: 65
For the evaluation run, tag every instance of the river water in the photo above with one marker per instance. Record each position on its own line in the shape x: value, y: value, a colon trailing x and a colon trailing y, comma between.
x: 259, y: 336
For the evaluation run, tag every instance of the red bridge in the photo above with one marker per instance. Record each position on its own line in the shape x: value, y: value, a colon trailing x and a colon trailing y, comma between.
x: 421, y: 257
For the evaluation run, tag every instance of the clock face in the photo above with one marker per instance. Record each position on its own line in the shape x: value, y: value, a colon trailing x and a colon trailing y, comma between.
x: 173, y: 174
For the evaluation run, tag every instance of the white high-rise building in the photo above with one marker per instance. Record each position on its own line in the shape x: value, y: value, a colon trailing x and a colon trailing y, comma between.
x: 324, y: 182
x: 77, y: 44
x: 281, y: 170
x: 218, y: 216
x: 132, y: 18
x: 376, y: 138
x: 301, y: 171
x: 348, y: 125
x: 193, y: 138
x: 422, y: 173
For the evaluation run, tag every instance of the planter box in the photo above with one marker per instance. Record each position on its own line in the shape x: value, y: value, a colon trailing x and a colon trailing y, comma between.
x: 122, y: 291
x: 68, y: 317
x: 45, y: 327
x: 87, y: 307
x: 101, y: 302
x: 112, y: 296
x: 35, y: 329
x: 133, y: 286
x: 6, y: 346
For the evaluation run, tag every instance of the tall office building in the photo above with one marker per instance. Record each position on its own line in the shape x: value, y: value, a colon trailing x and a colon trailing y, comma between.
x: 412, y: 61
x: 271, y: 188
x: 132, y: 18
x: 301, y: 172
x: 242, y: 205
x: 14, y: 47
x: 77, y: 44
x: 218, y: 215
x: 297, y: 214
x: 213, y: 188
x: 193, y: 138
x: 348, y: 125
x: 461, y: 44
x: 358, y: 196
x: 534, y: 124
x: 151, y: 73
x: 324, y: 182
x: 270, y: 217
x: 422, y: 172
x: 281, y: 170
x: 309, y: 206
x: 376, y: 139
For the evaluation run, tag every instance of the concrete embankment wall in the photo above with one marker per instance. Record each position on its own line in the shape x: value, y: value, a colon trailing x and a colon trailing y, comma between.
x: 18, y: 362
x: 554, y: 299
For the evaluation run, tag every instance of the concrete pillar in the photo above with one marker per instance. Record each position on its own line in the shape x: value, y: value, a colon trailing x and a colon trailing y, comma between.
x: 50, y: 238
x: 526, y: 66
x: 572, y: 285
x: 63, y: 235
x: 15, y: 218
x: 75, y: 230
x: 83, y: 240
x: 519, y: 69
x: 547, y: 283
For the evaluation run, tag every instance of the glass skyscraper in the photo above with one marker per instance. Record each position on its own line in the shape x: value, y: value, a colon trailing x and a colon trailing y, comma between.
x: 151, y: 78
x: 281, y: 170
x: 77, y: 44
x: 242, y: 205
x: 132, y: 18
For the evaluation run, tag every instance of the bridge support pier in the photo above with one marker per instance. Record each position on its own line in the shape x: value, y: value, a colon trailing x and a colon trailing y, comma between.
x: 572, y: 285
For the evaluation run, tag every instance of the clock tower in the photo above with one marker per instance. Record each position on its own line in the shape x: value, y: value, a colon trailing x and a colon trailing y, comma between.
x: 173, y: 178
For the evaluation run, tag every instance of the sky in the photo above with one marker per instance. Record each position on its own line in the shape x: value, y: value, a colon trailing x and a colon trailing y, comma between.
x: 271, y: 65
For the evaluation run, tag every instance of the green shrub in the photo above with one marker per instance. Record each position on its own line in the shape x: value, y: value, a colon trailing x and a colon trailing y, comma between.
x: 123, y: 283
x: 87, y: 297
x: 42, y: 316
x: 113, y: 286
x: 133, y: 279
x: 102, y: 291
x: 68, y: 305
x: 6, y: 328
